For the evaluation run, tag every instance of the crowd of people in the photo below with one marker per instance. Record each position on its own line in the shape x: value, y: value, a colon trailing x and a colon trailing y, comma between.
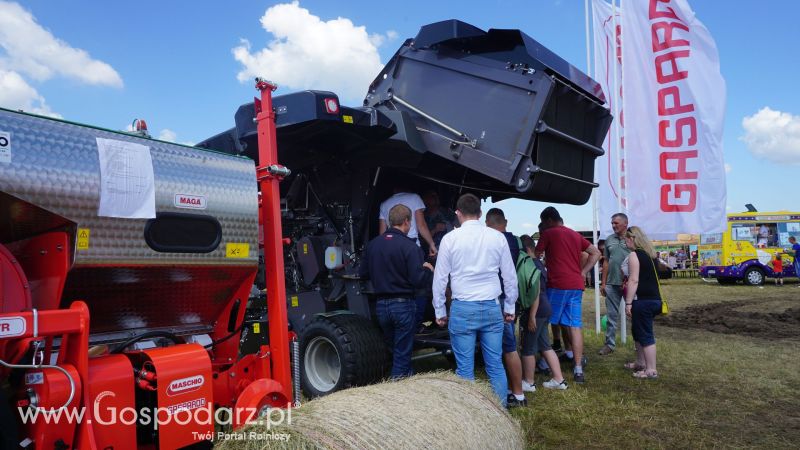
x: 483, y: 280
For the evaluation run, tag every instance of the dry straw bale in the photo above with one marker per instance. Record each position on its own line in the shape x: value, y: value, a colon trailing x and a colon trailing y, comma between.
x: 436, y: 410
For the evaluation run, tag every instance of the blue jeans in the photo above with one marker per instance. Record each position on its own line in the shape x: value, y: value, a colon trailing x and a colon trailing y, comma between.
x: 396, y: 317
x: 482, y: 320
x: 422, y: 304
x: 642, y: 314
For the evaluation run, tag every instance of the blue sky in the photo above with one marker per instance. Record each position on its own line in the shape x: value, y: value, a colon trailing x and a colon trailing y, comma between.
x: 175, y: 64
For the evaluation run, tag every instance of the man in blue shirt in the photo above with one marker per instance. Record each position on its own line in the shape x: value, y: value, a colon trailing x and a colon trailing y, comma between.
x: 496, y: 219
x: 395, y: 264
x: 796, y: 248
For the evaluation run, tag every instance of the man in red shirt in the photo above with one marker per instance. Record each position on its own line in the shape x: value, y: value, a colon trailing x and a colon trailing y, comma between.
x: 562, y: 248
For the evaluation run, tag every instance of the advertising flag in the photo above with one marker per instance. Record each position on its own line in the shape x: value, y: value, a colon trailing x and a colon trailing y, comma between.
x: 674, y: 104
x: 608, y: 73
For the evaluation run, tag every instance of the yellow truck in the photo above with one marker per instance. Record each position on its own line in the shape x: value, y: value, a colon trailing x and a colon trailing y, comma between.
x: 746, y: 249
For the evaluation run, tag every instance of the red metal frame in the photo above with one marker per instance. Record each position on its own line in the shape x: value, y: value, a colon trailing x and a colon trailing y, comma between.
x: 250, y: 383
x: 270, y: 217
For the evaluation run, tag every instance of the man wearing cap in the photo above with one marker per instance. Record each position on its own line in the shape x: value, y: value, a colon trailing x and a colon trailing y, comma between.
x: 563, y: 248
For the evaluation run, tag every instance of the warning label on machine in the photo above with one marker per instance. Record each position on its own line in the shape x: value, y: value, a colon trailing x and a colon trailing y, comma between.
x: 5, y: 147
x: 237, y: 250
x: 83, y: 239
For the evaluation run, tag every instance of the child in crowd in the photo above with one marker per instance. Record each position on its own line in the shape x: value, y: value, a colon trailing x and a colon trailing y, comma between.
x: 533, y: 331
x: 777, y: 267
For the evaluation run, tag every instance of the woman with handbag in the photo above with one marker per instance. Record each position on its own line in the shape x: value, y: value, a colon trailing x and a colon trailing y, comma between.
x: 643, y: 301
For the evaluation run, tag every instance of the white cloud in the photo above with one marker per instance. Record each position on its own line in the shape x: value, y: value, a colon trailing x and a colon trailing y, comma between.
x: 16, y: 93
x: 167, y: 135
x: 33, y: 51
x: 773, y: 135
x: 728, y: 168
x: 309, y: 53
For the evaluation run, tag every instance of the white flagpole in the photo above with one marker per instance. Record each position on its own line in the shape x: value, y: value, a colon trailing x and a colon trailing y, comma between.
x: 595, y: 234
x: 623, y: 323
x: 615, y: 141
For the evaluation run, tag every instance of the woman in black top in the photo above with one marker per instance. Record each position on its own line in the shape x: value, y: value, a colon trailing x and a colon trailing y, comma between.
x: 642, y: 301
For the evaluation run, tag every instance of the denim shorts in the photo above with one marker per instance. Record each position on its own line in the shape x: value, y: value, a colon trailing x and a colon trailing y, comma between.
x: 566, y: 304
x: 642, y: 314
x: 509, y: 339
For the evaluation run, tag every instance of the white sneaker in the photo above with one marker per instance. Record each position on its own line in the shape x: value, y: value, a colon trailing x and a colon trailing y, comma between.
x: 526, y: 387
x: 553, y: 384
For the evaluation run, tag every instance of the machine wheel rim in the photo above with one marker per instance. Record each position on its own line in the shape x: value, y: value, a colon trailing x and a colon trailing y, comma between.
x: 322, y: 364
x: 755, y: 277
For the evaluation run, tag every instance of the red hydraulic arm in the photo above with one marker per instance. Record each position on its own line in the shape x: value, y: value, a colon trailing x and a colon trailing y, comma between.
x: 270, y: 174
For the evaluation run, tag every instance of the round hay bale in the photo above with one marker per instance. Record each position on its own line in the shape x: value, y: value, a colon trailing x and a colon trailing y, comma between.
x: 434, y: 410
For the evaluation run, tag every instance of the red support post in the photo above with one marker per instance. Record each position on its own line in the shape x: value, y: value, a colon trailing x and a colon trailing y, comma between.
x: 270, y: 174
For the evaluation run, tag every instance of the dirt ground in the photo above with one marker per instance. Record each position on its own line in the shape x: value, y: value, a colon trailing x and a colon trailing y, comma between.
x: 741, y: 317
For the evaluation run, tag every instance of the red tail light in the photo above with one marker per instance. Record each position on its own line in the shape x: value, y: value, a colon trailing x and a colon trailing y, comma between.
x: 332, y: 105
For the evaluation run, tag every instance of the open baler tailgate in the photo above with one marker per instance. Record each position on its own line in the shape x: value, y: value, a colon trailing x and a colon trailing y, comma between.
x: 494, y: 112
x: 499, y: 104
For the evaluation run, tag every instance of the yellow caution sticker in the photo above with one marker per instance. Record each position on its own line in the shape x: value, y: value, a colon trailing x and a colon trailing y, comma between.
x: 237, y: 250
x: 256, y: 328
x: 295, y: 301
x: 305, y: 249
x: 83, y: 239
x: 347, y: 119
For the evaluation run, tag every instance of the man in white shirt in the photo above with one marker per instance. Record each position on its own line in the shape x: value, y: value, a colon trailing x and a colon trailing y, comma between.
x: 419, y: 228
x: 472, y: 256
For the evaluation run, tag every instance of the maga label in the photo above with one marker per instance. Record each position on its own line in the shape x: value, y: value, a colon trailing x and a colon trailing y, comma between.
x: 12, y: 326
x: 184, y: 385
x: 190, y: 201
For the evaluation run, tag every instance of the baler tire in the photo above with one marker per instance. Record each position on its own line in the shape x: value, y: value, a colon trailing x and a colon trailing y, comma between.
x: 351, y: 341
x: 9, y: 430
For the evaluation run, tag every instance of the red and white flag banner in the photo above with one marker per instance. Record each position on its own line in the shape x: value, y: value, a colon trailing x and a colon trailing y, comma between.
x: 608, y: 73
x: 674, y: 107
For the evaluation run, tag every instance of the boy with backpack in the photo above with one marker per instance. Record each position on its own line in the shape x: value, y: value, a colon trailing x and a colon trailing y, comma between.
x: 532, y: 278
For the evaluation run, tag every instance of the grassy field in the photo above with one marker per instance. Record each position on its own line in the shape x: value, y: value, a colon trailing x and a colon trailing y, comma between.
x: 724, y: 380
x: 728, y: 377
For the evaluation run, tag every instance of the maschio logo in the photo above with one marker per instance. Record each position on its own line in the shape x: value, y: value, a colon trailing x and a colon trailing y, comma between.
x: 190, y: 201
x: 12, y: 326
x: 184, y: 385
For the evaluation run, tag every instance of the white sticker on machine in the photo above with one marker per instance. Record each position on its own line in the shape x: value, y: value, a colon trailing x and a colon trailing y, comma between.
x: 5, y: 147
x: 187, y: 201
x: 34, y: 378
x: 12, y: 326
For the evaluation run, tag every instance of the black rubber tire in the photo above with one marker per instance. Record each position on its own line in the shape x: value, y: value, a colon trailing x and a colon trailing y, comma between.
x: 9, y: 432
x: 359, y: 349
x: 726, y: 281
x: 751, y: 272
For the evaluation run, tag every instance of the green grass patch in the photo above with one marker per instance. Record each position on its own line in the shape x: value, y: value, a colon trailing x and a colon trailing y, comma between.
x: 725, y: 389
